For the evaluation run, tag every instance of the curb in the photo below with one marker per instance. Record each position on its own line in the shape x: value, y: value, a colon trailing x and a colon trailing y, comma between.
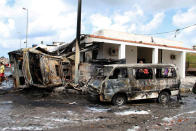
x: 185, y: 90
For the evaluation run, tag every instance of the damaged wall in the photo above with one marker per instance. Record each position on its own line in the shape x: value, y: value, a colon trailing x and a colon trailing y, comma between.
x: 177, y: 58
x: 108, y: 51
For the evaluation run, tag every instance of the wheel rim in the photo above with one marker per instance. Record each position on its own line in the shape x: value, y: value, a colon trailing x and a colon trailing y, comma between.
x: 164, y: 98
x: 120, y: 100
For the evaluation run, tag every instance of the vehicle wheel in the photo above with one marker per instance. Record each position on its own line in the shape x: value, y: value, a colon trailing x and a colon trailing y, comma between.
x: 119, y: 99
x: 163, y: 97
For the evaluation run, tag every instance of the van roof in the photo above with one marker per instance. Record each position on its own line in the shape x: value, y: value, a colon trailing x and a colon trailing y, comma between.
x: 141, y: 65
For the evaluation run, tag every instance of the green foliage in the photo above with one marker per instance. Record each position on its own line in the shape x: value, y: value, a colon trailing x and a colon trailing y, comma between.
x: 191, y: 60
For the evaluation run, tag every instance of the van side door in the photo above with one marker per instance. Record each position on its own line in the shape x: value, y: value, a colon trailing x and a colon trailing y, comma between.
x: 142, y: 83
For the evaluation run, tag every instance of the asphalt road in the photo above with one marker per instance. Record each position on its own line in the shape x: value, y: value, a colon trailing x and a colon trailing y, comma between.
x: 45, y: 110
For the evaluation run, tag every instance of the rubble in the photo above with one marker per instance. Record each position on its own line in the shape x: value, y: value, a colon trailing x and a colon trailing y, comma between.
x: 48, y: 66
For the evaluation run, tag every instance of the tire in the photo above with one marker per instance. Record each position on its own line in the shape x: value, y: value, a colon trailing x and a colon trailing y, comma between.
x: 119, y: 99
x: 163, y: 97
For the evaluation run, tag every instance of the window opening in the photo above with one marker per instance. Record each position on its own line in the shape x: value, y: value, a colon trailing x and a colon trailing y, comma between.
x: 143, y: 73
x: 119, y: 73
x: 165, y: 73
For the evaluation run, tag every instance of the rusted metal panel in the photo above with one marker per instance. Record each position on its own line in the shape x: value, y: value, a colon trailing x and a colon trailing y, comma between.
x: 26, y: 70
x: 38, y: 69
x: 16, y: 73
x: 54, y: 66
x: 86, y: 71
x: 45, y: 70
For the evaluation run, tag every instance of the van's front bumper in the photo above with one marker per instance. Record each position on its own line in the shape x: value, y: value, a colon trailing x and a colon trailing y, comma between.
x: 93, y: 97
x: 92, y: 94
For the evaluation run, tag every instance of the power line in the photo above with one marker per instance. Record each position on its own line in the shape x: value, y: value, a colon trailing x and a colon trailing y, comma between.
x: 173, y: 31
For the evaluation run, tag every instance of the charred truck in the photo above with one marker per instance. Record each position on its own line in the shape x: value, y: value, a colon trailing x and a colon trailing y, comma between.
x: 32, y: 67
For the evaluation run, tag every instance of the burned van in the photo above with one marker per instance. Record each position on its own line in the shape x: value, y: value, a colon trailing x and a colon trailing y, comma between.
x: 34, y: 68
x: 121, y: 83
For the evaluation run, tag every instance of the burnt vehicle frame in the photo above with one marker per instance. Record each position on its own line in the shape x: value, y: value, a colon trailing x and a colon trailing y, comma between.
x: 129, y: 86
x: 33, y: 68
x: 31, y: 64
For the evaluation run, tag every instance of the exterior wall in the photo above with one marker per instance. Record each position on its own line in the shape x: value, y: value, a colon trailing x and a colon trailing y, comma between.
x: 86, y: 71
x: 143, y: 49
x: 105, y: 51
x: 179, y: 60
x: 166, y: 57
x: 131, y: 54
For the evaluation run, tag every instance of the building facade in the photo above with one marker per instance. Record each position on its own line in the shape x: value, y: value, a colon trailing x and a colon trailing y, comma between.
x: 134, y: 48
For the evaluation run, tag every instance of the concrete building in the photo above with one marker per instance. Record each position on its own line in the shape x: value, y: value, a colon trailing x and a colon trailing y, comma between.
x: 119, y: 45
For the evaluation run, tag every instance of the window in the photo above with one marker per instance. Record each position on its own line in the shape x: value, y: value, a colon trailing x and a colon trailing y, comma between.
x: 142, y: 73
x: 119, y: 73
x: 165, y: 73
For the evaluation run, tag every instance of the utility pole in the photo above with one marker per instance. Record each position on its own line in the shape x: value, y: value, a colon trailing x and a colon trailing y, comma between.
x: 26, y: 24
x: 77, y: 46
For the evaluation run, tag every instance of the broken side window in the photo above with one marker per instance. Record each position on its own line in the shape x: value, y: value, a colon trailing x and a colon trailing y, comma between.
x: 165, y: 73
x: 143, y: 73
x: 119, y: 73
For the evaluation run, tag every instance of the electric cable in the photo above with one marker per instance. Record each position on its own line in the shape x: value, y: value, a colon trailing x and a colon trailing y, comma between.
x: 173, y: 31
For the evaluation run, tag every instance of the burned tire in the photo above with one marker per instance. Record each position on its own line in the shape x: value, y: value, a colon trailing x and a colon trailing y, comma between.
x: 119, y: 99
x: 164, y: 97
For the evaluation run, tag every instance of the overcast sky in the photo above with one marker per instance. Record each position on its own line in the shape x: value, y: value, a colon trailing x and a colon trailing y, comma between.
x: 55, y: 20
